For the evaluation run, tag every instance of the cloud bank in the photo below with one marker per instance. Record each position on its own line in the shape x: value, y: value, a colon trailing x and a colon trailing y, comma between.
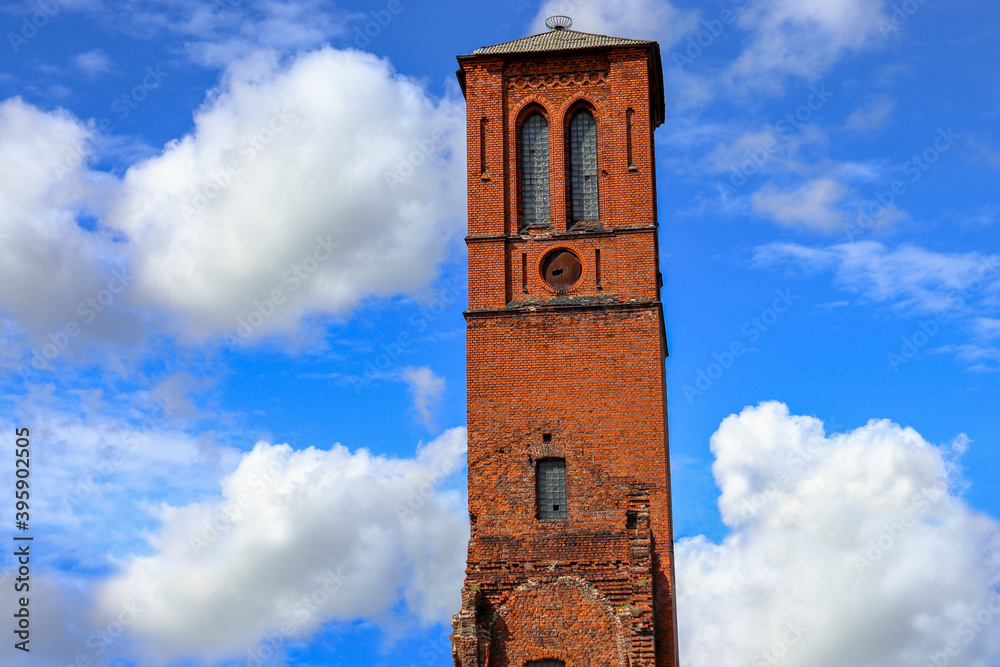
x: 297, y: 539
x: 852, y: 548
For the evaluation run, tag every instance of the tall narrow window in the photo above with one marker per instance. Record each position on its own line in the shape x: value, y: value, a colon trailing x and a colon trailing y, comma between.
x: 583, y: 166
x: 550, y: 483
x: 535, y: 171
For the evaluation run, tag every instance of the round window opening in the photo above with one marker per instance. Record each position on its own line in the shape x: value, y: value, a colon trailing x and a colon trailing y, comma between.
x: 561, y: 269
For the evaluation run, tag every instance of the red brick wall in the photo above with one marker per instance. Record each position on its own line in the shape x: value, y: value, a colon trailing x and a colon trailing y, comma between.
x: 577, y: 375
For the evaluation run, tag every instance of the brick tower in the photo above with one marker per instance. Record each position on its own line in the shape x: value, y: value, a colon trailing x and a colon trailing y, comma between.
x: 571, y: 553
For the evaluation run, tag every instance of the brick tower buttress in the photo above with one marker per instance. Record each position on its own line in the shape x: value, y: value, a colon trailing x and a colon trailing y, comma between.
x: 570, y: 558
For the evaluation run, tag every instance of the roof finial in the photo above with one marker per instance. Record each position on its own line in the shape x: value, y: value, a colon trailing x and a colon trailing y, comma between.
x: 558, y: 22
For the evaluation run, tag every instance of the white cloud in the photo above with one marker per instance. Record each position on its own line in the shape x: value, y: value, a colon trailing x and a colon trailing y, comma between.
x: 107, y: 458
x: 781, y: 39
x: 987, y: 328
x: 58, y: 617
x: 912, y: 279
x: 770, y: 148
x: 959, y: 290
x: 353, y: 532
x: 861, y: 172
x: 329, y: 178
x: 102, y: 465
x: 802, y: 38
x: 849, y: 548
x: 214, y: 34
x: 426, y: 389
x: 750, y: 151
x: 979, y: 357
x: 815, y: 205
x: 636, y: 19
x: 778, y: 40
x: 983, y: 216
x: 49, y: 264
x: 220, y: 37
x: 871, y: 116
x: 93, y: 63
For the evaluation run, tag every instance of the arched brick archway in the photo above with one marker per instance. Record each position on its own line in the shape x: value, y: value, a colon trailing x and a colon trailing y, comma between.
x: 566, y: 619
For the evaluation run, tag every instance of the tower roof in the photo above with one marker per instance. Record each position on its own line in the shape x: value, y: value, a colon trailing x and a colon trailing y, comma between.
x: 559, y: 40
x: 563, y: 39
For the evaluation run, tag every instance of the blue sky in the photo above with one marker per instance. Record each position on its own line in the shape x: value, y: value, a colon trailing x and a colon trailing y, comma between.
x: 232, y: 284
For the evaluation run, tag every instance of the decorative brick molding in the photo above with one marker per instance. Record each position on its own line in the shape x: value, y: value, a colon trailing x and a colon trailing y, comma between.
x: 557, y: 80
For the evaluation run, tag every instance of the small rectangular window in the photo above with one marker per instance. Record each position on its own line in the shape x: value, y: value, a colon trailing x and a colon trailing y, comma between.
x: 550, y: 486
x: 545, y: 663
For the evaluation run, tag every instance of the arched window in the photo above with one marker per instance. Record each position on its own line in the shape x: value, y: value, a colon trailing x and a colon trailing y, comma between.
x: 535, y: 171
x: 550, y: 488
x: 583, y: 167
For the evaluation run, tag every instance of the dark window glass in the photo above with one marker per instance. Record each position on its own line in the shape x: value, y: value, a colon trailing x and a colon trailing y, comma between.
x: 535, y: 170
x: 545, y: 663
x: 583, y: 166
x: 551, y: 488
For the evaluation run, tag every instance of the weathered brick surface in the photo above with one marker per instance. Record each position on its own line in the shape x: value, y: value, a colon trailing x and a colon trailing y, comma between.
x: 577, y: 375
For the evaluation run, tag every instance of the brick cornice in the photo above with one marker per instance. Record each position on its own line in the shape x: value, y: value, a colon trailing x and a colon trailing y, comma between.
x: 589, y: 233
x: 555, y: 307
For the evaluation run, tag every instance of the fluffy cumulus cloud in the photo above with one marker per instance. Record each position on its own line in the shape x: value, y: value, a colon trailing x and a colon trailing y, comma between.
x: 299, y: 538
x: 49, y: 264
x: 889, y: 566
x: 304, y: 187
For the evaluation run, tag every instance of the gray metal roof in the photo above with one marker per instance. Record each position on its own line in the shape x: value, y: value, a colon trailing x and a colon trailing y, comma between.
x: 559, y: 40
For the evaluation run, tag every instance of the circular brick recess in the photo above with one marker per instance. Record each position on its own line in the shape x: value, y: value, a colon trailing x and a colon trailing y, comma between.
x: 561, y: 269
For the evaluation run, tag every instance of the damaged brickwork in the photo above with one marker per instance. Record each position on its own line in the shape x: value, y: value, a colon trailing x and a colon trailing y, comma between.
x: 568, y: 372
